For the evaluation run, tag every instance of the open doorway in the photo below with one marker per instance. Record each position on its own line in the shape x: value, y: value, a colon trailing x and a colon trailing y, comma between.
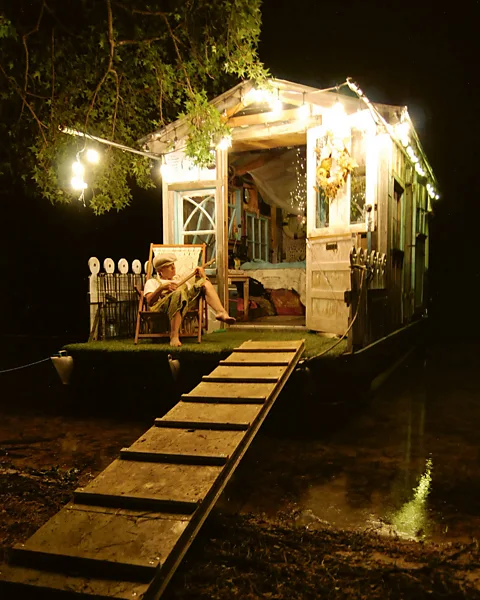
x: 267, y: 237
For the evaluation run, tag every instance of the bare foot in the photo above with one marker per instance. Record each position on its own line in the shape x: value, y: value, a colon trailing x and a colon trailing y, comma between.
x: 225, y: 318
x: 175, y: 341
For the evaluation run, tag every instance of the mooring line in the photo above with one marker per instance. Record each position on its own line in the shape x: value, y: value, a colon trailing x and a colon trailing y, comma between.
x: 24, y: 366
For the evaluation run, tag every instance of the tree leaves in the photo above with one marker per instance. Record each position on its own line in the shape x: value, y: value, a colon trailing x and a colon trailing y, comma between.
x: 117, y: 70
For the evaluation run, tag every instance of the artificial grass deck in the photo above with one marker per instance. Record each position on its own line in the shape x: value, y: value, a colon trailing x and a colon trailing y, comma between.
x: 219, y: 342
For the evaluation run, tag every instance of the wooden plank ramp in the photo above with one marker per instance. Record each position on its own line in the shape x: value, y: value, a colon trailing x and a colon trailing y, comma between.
x: 125, y: 533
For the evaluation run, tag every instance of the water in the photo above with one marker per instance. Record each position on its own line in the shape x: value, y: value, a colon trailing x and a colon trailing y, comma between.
x: 405, y: 463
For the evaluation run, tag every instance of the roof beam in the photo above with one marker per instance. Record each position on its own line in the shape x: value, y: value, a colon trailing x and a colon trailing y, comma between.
x: 265, y: 117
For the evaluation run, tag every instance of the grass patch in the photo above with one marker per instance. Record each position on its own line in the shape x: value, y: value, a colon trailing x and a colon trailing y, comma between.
x: 221, y: 343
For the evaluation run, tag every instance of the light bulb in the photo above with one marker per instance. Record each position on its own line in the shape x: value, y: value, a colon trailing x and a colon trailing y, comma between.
x: 78, y: 183
x: 78, y: 169
x: 276, y: 106
x: 93, y: 156
x: 304, y: 112
x: 225, y: 142
x: 402, y: 130
x: 165, y: 171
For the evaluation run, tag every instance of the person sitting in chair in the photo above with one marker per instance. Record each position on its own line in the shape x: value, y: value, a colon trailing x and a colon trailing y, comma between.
x: 163, y: 294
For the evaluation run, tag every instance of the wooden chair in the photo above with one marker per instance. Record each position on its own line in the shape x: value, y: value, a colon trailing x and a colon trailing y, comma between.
x: 151, y: 324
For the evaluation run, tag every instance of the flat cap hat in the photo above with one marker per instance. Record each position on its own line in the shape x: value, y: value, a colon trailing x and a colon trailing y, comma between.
x: 162, y: 260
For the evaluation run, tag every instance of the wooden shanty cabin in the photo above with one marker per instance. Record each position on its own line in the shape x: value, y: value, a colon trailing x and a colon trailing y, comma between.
x: 320, y: 195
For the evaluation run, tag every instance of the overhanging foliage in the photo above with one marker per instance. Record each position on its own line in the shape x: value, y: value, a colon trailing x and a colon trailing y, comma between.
x: 117, y: 70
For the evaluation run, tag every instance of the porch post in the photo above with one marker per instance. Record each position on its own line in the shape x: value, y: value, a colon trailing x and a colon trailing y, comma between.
x: 221, y: 219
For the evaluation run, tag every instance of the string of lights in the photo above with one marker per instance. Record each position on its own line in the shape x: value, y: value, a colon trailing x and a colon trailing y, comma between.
x: 400, y: 134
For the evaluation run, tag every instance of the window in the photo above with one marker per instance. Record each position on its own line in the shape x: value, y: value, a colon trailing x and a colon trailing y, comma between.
x: 196, y: 220
x: 323, y: 209
x: 258, y: 236
x: 358, y: 179
x: 234, y: 215
x: 322, y: 213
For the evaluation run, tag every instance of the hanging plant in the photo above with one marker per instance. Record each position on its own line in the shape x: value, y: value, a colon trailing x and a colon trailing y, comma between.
x: 334, y: 165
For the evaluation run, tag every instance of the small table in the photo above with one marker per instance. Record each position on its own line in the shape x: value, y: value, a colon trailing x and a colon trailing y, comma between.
x: 245, y: 279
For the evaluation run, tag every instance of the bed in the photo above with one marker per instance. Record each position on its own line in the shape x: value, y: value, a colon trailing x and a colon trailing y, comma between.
x: 279, y: 276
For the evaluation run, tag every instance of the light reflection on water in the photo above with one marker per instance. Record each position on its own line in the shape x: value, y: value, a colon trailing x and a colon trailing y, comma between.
x: 328, y: 504
x: 406, y: 464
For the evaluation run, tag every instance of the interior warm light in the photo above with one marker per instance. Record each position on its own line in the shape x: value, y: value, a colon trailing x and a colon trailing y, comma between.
x: 78, y: 169
x: 93, y: 156
x: 78, y: 183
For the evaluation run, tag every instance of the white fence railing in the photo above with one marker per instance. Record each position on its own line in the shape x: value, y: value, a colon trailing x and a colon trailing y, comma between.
x: 112, y: 296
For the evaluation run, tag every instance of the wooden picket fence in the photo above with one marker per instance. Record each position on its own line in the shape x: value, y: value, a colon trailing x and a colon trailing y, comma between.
x: 112, y: 297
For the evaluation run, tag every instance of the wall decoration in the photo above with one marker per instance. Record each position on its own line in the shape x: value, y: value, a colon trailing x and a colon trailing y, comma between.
x: 334, y: 165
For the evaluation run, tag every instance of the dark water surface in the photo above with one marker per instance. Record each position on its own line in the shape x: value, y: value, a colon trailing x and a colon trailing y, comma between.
x: 404, y: 461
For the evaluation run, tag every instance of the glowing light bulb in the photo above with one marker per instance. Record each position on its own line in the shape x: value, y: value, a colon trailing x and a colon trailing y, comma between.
x: 335, y: 120
x: 225, y: 142
x: 165, y: 171
x: 78, y: 169
x: 413, y: 157
x: 419, y: 169
x: 78, y: 183
x: 276, y: 106
x: 93, y: 156
x: 304, y: 112
x: 256, y: 96
x: 402, y: 130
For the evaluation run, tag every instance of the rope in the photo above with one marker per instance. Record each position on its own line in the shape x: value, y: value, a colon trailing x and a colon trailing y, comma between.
x: 25, y: 366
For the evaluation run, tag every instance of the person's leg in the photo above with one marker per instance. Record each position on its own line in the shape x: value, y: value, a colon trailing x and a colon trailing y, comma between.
x: 175, y: 323
x: 213, y: 300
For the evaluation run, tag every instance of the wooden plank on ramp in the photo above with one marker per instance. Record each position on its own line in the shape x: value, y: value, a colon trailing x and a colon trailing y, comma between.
x: 126, y: 532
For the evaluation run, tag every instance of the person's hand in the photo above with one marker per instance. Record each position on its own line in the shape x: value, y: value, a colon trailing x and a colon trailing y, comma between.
x: 200, y: 272
x: 171, y: 286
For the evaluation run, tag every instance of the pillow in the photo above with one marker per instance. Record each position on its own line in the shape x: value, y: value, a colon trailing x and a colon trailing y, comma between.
x: 287, y: 302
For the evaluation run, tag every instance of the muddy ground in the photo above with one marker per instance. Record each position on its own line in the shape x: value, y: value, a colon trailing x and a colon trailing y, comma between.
x: 300, y: 518
x: 283, y: 554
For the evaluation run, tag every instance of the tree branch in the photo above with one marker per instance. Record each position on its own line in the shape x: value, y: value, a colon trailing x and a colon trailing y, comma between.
x: 150, y: 13
x: 117, y: 82
x: 148, y: 41
x: 27, y: 59
x: 111, y: 42
x: 179, y: 56
x: 20, y: 92
x: 53, y: 73
x: 160, y: 96
x: 62, y: 25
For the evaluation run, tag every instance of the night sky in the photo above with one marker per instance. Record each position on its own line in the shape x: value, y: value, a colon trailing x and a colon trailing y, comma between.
x: 410, y: 53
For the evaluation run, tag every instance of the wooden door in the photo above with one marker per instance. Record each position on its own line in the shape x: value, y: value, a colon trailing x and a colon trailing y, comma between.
x: 328, y: 252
